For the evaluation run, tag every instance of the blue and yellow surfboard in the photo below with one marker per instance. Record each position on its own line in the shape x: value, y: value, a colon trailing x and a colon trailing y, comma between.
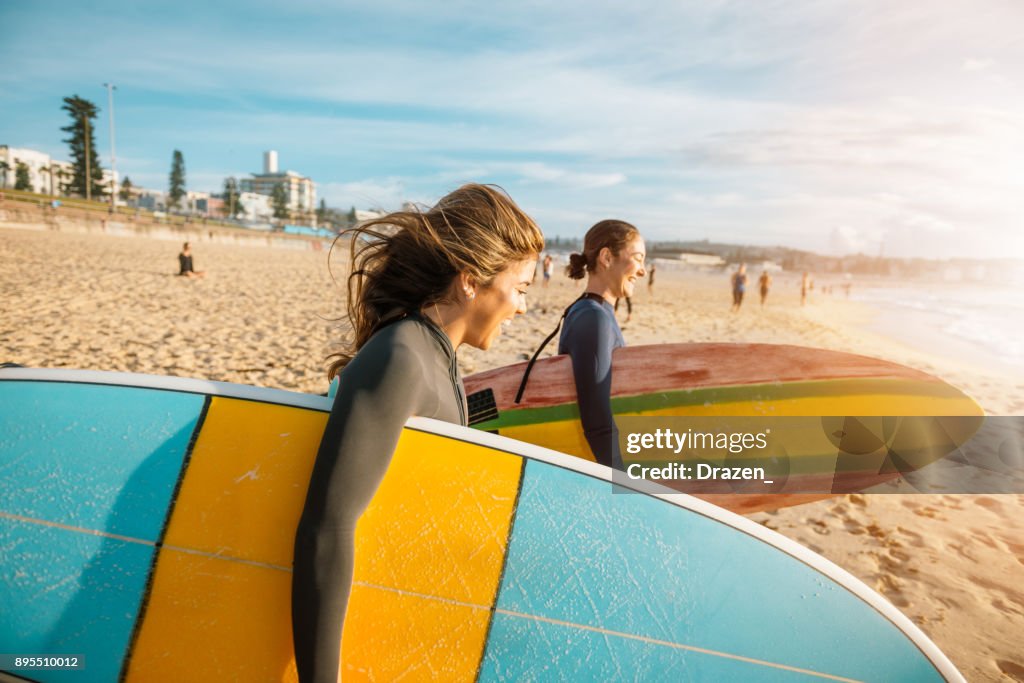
x: 146, y: 525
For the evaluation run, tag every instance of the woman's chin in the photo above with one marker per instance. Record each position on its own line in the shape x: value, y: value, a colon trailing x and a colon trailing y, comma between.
x: 483, y: 344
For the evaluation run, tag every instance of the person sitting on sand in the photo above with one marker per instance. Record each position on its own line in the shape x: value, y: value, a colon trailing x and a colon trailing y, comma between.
x: 185, y: 263
x: 613, y: 259
x: 739, y: 286
x: 421, y: 284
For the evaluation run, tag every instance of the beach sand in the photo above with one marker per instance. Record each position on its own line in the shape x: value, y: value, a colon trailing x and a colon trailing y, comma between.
x: 266, y: 316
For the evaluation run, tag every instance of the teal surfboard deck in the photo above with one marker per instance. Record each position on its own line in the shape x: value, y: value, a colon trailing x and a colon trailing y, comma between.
x: 594, y: 585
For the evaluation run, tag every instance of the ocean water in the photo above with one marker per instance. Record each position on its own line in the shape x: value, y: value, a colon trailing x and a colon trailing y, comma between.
x: 982, y: 320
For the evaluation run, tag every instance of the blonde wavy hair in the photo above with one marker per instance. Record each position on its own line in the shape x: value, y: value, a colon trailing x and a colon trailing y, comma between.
x: 407, y: 260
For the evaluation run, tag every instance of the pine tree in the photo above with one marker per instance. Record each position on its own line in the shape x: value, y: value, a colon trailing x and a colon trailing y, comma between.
x: 87, y: 176
x: 177, y: 181
x: 22, y: 180
x: 279, y: 198
x: 232, y: 197
x: 125, y: 193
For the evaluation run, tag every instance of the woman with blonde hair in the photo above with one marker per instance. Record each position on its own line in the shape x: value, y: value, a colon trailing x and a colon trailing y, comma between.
x: 612, y: 260
x: 421, y: 285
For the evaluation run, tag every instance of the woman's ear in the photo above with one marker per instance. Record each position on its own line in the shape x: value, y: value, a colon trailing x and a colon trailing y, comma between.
x: 467, y: 285
x: 604, y: 257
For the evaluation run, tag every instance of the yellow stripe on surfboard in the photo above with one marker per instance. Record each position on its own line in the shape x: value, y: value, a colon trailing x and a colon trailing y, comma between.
x: 567, y: 436
x: 223, y: 574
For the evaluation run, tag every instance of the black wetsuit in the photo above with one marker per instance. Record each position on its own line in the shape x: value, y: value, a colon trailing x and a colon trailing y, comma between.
x: 407, y: 368
x: 186, y: 264
x: 589, y: 336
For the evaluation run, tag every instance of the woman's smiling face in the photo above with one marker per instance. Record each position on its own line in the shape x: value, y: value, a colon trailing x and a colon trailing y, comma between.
x: 626, y: 268
x: 498, y: 303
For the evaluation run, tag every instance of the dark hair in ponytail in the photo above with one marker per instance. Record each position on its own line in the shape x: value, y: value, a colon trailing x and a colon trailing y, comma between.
x: 407, y: 260
x: 611, y: 233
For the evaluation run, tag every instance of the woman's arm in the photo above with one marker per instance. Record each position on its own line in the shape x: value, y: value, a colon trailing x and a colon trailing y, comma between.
x: 379, y: 391
x: 590, y: 344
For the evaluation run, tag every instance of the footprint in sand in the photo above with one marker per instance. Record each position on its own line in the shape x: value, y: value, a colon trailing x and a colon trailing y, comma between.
x: 839, y: 510
x: 1016, y: 549
x: 915, y: 539
x: 877, y: 531
x: 1012, y: 669
x: 961, y: 551
x: 929, y: 512
x: 892, y: 589
x: 853, y: 526
x: 989, y: 503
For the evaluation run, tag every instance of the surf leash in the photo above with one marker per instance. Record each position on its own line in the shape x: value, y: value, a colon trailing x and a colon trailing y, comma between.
x: 529, y: 366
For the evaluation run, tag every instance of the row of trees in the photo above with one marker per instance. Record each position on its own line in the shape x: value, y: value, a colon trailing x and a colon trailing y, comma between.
x: 22, y: 179
x: 86, y: 177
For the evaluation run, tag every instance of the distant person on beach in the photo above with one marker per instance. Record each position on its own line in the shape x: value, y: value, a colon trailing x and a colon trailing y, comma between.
x: 650, y: 278
x: 421, y: 285
x: 629, y: 308
x: 549, y: 267
x: 765, y: 283
x: 739, y: 286
x: 185, y: 263
x: 806, y: 285
x: 613, y: 259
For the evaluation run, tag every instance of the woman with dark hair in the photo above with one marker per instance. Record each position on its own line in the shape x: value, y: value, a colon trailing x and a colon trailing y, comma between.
x: 421, y: 284
x: 185, y: 263
x: 612, y: 260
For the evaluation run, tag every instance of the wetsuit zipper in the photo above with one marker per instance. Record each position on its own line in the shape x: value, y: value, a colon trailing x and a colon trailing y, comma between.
x: 453, y: 367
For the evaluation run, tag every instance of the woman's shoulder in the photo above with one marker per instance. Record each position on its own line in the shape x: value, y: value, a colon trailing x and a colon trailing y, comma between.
x: 409, y: 333
x: 397, y: 350
x: 590, y: 314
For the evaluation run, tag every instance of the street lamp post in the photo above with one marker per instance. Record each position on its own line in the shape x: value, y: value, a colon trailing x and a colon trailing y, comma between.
x: 88, y: 167
x: 113, y: 153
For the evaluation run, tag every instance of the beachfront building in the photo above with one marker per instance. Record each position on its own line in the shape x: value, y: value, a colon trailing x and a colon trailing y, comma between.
x: 701, y: 261
x: 299, y: 190
x: 210, y: 206
x: 362, y: 216
x: 151, y: 200
x: 255, y: 206
x: 196, y: 202
x: 45, y: 175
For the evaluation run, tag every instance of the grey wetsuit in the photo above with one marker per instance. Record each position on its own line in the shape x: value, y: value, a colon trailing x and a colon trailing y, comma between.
x: 407, y: 368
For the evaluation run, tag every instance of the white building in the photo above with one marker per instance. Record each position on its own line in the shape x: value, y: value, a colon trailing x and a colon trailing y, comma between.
x: 194, y: 200
x: 255, y: 206
x: 153, y: 200
x: 701, y: 260
x: 45, y: 174
x: 363, y: 216
x: 300, y: 191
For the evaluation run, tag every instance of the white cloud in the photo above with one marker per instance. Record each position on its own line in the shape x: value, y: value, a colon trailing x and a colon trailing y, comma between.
x: 972, y: 64
x: 386, y: 193
x: 832, y: 126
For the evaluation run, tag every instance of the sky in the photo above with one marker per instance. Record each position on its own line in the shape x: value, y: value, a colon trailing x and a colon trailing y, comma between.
x: 839, y: 126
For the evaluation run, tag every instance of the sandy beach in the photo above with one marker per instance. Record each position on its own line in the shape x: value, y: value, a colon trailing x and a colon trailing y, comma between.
x: 268, y: 316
